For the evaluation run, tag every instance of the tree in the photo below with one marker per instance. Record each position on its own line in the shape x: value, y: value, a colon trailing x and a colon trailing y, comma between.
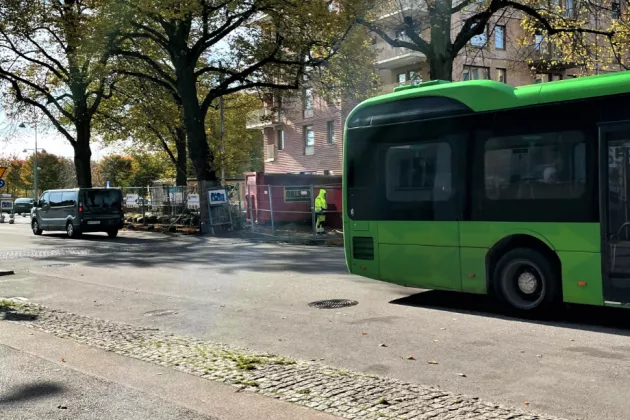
x: 50, y: 174
x: 441, y: 29
x: 53, y: 58
x: 202, y: 50
x: 116, y: 169
x: 151, y: 166
x: 243, y: 148
x: 15, y: 185
x: 148, y: 115
x: 590, y: 36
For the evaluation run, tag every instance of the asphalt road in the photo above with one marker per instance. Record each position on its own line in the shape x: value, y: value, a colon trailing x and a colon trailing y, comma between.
x: 256, y: 295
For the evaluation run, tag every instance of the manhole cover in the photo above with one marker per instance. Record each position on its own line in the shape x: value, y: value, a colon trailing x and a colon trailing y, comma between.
x: 333, y: 303
x: 56, y: 265
x: 161, y: 312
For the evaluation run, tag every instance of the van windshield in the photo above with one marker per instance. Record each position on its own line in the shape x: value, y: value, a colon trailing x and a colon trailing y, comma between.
x: 101, y: 199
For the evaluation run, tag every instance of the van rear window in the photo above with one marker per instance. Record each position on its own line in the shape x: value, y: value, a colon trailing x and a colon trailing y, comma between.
x: 102, y: 199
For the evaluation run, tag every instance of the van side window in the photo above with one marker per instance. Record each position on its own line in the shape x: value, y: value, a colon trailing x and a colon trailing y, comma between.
x: 55, y: 199
x: 44, y: 199
x: 69, y: 198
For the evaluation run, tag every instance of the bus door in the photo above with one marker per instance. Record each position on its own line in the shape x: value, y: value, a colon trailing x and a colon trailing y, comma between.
x: 614, y: 164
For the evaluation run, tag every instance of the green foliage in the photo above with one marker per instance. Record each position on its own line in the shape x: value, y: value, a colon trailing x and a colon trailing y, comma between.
x: 116, y: 169
x: 53, y: 172
x: 15, y: 184
x: 243, y: 148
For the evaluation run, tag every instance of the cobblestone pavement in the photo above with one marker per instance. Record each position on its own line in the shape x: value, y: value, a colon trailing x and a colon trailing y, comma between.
x: 343, y: 393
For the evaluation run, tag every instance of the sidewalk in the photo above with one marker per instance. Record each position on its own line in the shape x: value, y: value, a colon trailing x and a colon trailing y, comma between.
x: 43, y: 376
x: 309, y: 384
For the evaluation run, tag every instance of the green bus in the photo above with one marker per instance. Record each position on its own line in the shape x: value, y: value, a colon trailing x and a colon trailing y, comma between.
x: 480, y: 187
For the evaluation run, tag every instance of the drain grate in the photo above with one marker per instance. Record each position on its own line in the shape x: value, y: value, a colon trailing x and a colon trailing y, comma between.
x: 333, y: 303
x: 56, y: 265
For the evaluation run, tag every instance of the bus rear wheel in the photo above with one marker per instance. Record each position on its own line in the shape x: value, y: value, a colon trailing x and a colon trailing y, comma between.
x: 526, y: 280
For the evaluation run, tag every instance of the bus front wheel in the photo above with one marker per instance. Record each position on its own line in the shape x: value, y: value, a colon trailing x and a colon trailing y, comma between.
x: 526, y: 280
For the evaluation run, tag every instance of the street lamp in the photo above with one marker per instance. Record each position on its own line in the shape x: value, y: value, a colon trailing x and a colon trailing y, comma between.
x: 36, y: 168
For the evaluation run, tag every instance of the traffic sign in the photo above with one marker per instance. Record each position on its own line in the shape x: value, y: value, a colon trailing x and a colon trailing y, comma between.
x: 2, y: 170
x: 2, y: 183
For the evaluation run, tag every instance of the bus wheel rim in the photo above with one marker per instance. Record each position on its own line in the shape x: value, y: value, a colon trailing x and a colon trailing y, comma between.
x: 527, y: 283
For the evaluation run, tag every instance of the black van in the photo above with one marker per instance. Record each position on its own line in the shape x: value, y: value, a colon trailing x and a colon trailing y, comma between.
x: 78, y: 211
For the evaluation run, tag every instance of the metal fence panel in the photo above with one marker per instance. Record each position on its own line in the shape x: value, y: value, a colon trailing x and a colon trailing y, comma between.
x: 288, y: 212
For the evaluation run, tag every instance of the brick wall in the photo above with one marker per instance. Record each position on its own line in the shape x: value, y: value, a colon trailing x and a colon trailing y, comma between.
x: 326, y: 156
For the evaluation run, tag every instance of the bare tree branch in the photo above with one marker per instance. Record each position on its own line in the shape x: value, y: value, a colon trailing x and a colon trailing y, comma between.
x: 21, y: 98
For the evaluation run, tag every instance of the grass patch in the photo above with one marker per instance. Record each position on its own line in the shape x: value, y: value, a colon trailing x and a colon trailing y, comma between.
x: 7, y: 303
x: 383, y: 401
x: 244, y: 362
x: 245, y: 382
x: 304, y: 391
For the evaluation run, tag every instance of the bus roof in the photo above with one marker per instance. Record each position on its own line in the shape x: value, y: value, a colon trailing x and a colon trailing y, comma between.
x: 488, y: 95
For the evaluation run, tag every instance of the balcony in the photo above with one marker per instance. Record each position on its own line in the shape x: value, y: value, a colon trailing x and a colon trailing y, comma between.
x: 391, y: 12
x: 545, y: 58
x: 263, y: 118
x: 391, y: 57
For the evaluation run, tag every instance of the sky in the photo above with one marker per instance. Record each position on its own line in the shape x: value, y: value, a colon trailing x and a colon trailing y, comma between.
x: 14, y: 140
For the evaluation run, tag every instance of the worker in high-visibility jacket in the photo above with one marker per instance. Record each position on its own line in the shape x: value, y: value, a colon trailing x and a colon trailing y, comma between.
x: 320, y: 208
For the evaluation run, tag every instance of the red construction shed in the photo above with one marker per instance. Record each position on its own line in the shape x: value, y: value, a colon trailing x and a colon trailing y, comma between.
x: 291, y: 198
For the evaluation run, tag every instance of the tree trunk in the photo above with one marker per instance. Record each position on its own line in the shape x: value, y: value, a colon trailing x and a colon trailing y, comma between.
x: 83, y: 155
x: 441, y: 67
x: 198, y: 148
x: 180, y: 142
x: 441, y: 58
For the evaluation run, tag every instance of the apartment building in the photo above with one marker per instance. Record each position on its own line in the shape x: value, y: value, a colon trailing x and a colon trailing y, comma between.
x: 305, y: 136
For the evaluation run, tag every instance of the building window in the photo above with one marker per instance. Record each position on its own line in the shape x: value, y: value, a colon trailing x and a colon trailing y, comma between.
x: 479, y: 40
x: 569, y: 10
x: 409, y: 76
x: 538, y: 40
x: 499, y: 37
x: 418, y: 172
x: 546, y: 166
x: 309, y: 140
x: 501, y: 75
x: 280, y: 139
x: 476, y: 73
x: 616, y: 9
x: 309, y: 100
x: 330, y: 128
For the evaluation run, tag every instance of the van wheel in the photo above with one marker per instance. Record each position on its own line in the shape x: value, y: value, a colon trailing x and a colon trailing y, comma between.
x: 526, y: 280
x: 35, y: 227
x: 112, y: 233
x: 71, y: 232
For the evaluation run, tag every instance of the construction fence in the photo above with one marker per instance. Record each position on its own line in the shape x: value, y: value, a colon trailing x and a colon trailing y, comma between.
x: 289, y: 211
x: 283, y: 212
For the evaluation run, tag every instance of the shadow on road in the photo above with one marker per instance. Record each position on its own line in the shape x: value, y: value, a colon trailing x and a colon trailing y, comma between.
x: 581, y: 317
x: 31, y: 392
x: 222, y: 255
x: 8, y: 313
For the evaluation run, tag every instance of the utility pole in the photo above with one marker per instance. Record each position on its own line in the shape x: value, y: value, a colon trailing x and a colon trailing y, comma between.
x: 36, y: 167
x: 221, y: 134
